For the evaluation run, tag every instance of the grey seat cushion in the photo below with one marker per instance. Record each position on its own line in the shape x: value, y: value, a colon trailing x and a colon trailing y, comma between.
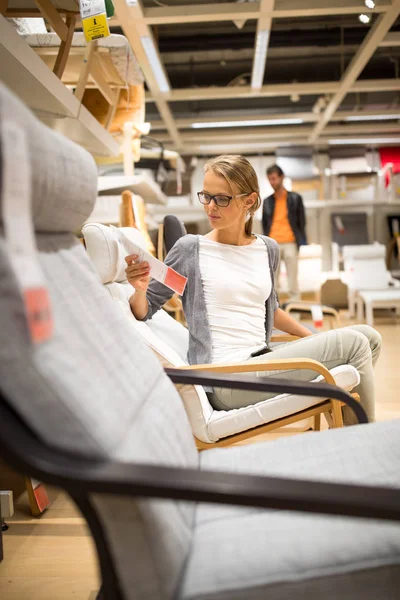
x: 240, y: 553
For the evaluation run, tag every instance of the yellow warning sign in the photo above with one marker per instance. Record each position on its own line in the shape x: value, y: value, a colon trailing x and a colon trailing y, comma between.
x: 95, y: 27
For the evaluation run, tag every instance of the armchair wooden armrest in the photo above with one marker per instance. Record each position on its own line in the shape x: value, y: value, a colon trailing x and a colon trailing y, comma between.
x: 285, y: 337
x: 251, y: 366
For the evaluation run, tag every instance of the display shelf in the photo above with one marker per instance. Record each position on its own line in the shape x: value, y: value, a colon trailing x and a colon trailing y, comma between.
x: 141, y: 185
x: 25, y: 74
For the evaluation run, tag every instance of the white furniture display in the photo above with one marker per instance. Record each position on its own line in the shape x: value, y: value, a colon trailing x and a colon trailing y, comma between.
x: 368, y: 280
x: 376, y: 299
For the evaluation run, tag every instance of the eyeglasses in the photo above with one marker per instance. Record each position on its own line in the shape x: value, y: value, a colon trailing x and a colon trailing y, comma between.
x: 219, y: 199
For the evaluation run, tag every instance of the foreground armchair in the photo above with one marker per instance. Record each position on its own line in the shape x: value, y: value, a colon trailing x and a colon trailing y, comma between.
x: 89, y: 408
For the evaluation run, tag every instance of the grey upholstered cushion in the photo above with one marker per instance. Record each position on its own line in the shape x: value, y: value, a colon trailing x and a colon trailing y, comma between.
x: 64, y: 175
x: 248, y: 554
x: 94, y: 388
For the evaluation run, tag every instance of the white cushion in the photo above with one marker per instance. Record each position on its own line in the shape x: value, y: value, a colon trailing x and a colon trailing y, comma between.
x: 364, y: 251
x: 169, y: 340
x: 107, y: 253
x: 224, y: 423
x: 390, y: 295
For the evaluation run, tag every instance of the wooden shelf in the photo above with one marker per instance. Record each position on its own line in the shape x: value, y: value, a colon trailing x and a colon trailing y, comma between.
x: 25, y: 74
x: 143, y: 186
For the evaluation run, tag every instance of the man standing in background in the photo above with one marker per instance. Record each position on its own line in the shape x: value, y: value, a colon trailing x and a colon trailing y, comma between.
x: 284, y: 220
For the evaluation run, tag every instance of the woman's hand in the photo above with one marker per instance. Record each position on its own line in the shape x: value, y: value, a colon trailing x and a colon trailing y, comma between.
x: 137, y: 273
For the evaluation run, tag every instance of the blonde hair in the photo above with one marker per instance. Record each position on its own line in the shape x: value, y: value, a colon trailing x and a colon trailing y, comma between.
x: 238, y: 172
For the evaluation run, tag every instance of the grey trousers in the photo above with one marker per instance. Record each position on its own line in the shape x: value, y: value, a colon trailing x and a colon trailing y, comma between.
x: 359, y: 346
x: 289, y: 253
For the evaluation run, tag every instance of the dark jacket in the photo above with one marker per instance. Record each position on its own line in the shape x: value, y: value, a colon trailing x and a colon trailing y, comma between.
x: 296, y: 216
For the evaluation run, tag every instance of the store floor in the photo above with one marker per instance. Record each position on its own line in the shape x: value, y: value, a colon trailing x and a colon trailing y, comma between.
x: 53, y: 558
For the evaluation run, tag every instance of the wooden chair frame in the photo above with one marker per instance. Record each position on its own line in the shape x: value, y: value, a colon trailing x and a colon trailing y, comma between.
x: 331, y: 409
x: 64, y: 29
x: 331, y: 312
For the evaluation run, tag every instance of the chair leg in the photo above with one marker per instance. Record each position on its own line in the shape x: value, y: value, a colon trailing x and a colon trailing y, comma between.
x: 369, y: 311
x: 351, y: 302
x: 337, y: 415
x: 65, y: 47
x: 317, y: 422
x: 360, y: 310
x: 329, y: 419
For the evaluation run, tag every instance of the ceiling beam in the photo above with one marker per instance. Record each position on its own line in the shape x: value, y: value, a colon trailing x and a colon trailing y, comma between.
x: 269, y: 145
x: 137, y: 32
x: 307, y: 117
x: 289, y: 134
x: 277, y: 89
x: 391, y: 40
x: 284, y: 9
x: 263, y: 34
x: 370, y: 43
x: 201, y: 13
x: 187, y: 123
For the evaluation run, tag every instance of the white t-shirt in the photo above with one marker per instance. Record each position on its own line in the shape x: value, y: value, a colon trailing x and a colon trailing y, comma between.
x: 236, y: 283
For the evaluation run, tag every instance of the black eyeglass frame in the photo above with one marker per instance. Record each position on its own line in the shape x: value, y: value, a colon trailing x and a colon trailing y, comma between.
x: 228, y: 198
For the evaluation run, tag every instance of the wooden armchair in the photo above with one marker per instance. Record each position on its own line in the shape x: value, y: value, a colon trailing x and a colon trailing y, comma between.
x: 169, y: 340
x: 331, y: 409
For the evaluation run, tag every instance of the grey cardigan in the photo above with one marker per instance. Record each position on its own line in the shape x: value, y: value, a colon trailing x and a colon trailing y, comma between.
x: 184, y: 258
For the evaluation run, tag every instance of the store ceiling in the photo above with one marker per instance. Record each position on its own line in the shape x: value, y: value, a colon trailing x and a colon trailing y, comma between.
x: 323, y: 68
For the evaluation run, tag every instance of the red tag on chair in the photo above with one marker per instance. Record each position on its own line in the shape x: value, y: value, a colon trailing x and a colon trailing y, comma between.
x: 317, y: 316
x: 38, y: 313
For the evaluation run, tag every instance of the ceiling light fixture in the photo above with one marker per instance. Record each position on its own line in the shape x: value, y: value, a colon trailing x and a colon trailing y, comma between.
x: 364, y: 18
x: 357, y: 141
x: 372, y: 117
x: 370, y: 4
x: 260, y: 58
x: 155, y: 63
x: 254, y: 123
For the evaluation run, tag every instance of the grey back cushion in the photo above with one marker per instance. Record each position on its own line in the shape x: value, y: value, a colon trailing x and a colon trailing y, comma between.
x: 93, y: 388
x: 173, y: 230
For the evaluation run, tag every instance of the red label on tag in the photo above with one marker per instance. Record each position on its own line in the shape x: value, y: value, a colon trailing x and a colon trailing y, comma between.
x: 38, y: 312
x: 41, y: 497
x: 175, y: 281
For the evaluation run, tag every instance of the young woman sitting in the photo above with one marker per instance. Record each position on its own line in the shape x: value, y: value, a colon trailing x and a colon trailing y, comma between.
x: 230, y: 302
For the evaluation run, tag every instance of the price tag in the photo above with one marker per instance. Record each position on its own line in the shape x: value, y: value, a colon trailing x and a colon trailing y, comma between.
x: 317, y: 315
x: 339, y: 224
x: 158, y: 270
x: 19, y: 233
x: 94, y: 19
